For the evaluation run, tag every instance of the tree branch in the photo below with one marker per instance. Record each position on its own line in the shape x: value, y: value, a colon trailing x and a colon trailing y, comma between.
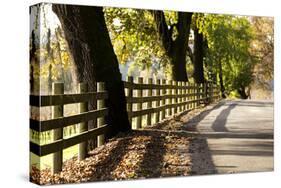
x: 163, y: 30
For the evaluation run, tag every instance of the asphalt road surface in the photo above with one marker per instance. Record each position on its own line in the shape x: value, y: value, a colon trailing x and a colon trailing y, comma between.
x: 239, y: 135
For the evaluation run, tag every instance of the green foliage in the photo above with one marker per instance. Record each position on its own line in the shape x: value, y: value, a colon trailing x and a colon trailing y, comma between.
x: 229, y: 39
x: 133, y: 36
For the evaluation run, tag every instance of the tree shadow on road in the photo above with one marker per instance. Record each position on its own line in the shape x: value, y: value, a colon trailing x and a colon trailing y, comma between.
x: 194, y: 122
x: 219, y: 125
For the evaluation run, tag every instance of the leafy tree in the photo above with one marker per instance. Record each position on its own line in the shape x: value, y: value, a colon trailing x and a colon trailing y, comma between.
x: 134, y: 38
x: 228, y: 51
x: 135, y: 35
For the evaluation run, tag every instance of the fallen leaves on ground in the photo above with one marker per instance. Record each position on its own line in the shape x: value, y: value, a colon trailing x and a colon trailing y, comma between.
x: 158, y: 151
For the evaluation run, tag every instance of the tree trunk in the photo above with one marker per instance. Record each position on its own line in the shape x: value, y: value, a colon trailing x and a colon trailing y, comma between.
x: 32, y: 57
x: 176, y: 49
x: 242, y: 92
x: 221, y: 81
x: 198, y: 73
x: 178, y: 62
x: 89, y: 42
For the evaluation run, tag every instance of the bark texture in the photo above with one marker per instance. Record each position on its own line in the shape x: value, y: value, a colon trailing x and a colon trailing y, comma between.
x: 89, y: 42
x: 198, y: 57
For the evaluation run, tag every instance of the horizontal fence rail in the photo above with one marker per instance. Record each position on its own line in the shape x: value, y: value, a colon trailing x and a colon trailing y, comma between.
x: 52, y: 100
x: 148, y: 102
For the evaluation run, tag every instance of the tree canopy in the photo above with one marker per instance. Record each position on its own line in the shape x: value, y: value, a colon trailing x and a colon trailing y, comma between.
x: 234, y: 51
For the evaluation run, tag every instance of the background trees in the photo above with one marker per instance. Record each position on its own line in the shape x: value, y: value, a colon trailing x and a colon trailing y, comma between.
x: 262, y: 48
x: 219, y: 46
x: 228, y: 54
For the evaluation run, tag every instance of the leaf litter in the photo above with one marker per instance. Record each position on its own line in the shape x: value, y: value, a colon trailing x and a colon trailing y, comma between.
x: 155, y: 151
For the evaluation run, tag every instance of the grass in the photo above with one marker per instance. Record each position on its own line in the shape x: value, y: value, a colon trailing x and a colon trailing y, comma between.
x: 47, y: 161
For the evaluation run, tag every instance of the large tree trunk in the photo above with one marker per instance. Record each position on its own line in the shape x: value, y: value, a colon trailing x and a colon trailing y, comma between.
x: 221, y: 81
x: 89, y: 42
x: 198, y: 56
x: 176, y: 49
x: 178, y: 62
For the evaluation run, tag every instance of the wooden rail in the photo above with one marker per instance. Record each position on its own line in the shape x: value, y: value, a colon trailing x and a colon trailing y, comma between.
x: 57, y: 100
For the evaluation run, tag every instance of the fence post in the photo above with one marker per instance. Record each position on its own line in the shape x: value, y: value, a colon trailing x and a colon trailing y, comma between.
x: 170, y: 82
x: 130, y: 79
x: 179, y: 96
x: 211, y: 92
x: 100, y: 105
x: 82, y: 88
x: 186, y: 95
x: 149, y: 104
x: 157, y: 101
x: 193, y: 95
x: 183, y: 95
x: 204, y: 93
x: 57, y: 111
x: 198, y: 94
x: 163, y: 93
x: 207, y: 91
x: 176, y: 98
x: 139, y: 105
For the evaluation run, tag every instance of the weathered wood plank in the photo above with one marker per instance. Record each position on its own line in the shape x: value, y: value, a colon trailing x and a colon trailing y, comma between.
x: 66, y: 121
x: 83, y: 126
x: 160, y: 108
x: 154, y: 86
x: 154, y: 98
x: 65, y: 143
x: 57, y: 112
x: 139, y: 105
x: 129, y: 97
x: 61, y: 99
x: 101, y: 120
x: 149, y: 104
x: 157, y: 114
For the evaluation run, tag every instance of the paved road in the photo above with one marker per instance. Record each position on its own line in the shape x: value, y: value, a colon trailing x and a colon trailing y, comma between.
x: 239, y: 135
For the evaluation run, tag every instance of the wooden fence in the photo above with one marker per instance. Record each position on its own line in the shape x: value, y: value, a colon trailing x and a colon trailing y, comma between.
x: 57, y: 100
x: 158, y: 98
x: 162, y: 98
